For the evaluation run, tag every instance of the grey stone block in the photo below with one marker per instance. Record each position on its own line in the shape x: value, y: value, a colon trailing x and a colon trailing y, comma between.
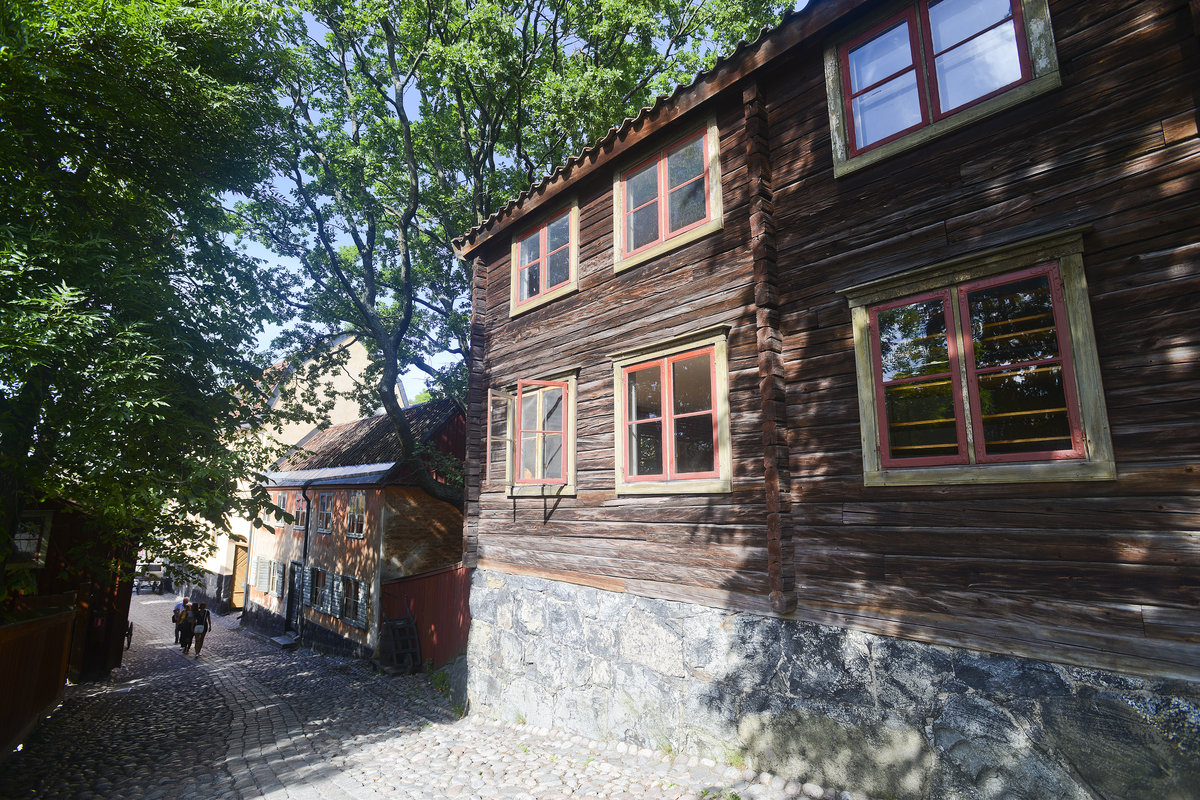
x: 884, y: 757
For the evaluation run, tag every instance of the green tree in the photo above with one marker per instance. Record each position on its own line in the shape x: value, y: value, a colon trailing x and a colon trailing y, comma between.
x: 412, y: 121
x: 126, y: 317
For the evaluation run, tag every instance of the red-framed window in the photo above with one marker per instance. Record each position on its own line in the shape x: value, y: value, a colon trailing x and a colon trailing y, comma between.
x: 542, y: 435
x: 669, y: 418
x: 544, y: 259
x: 356, y: 514
x: 666, y: 195
x: 931, y: 60
x: 324, y: 512
x: 1019, y: 402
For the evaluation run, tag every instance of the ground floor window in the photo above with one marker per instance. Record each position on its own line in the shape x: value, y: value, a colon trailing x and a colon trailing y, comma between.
x: 987, y: 372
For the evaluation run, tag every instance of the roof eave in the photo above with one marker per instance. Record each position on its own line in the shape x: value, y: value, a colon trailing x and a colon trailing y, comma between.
x: 726, y: 74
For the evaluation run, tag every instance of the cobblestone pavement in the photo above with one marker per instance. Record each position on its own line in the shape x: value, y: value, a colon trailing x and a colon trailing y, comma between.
x: 247, y: 720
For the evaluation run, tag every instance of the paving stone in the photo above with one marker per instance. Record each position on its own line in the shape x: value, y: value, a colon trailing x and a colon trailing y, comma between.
x: 249, y: 720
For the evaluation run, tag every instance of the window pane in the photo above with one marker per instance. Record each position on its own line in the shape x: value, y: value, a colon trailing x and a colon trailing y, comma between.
x: 552, y: 407
x: 686, y: 206
x: 645, y: 449
x: 885, y: 55
x: 529, y: 457
x: 645, y: 393
x: 530, y: 279
x: 531, y: 249
x: 641, y: 187
x: 529, y: 410
x: 643, y: 226
x: 552, y: 457
x: 1013, y: 323
x: 912, y: 340
x: 558, y: 233
x: 691, y: 385
x: 694, y: 444
x: 920, y: 419
x: 886, y: 109
x: 1024, y: 410
x: 558, y: 268
x: 952, y: 21
x: 979, y: 67
x: 685, y: 163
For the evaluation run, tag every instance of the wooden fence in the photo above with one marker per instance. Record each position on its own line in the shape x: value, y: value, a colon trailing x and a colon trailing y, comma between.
x: 33, y: 672
x: 439, y: 603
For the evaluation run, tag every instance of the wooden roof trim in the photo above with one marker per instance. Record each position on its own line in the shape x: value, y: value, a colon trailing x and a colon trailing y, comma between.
x: 727, y: 72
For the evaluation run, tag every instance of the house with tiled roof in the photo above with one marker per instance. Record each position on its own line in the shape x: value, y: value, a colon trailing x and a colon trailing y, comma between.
x: 355, y: 521
x: 838, y: 412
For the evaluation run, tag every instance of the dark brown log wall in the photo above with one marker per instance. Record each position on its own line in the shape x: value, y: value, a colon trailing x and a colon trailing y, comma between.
x: 1104, y: 573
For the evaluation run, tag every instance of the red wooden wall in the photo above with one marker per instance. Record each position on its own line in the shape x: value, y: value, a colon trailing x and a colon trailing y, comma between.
x: 438, y: 601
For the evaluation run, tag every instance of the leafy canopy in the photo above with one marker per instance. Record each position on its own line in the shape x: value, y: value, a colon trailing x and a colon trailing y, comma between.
x: 126, y: 317
x: 411, y: 121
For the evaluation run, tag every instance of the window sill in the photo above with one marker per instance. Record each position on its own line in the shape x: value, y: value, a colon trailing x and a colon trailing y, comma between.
x: 1041, y: 472
x: 548, y: 490
x: 708, y: 486
x: 537, y: 302
x: 666, y: 246
x: 844, y: 165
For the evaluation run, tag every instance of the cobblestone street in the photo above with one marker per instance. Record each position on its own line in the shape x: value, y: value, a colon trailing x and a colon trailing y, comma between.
x: 247, y: 720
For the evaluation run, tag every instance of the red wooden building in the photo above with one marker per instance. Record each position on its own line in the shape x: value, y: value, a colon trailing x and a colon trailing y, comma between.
x: 853, y: 390
x: 357, y: 522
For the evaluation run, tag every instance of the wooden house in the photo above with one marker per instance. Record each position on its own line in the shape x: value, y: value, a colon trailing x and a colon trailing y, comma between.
x: 357, y: 521
x: 843, y: 408
x: 226, y: 570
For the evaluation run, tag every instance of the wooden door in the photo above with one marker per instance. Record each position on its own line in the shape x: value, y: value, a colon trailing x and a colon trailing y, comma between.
x: 241, y: 561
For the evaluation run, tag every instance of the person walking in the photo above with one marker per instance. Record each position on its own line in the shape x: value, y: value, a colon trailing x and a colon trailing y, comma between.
x: 178, y: 614
x: 202, y: 624
x: 186, y: 629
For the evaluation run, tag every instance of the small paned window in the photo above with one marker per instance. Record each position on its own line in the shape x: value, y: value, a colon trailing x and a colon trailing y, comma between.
x: 666, y: 196
x: 930, y: 63
x: 301, y: 514
x: 670, y: 418
x: 669, y: 199
x: 31, y: 538
x: 349, y: 598
x: 989, y: 379
x: 1020, y: 399
x: 324, y: 512
x: 672, y: 414
x: 356, y: 515
x: 545, y: 262
x: 318, y: 592
x: 541, y: 432
x: 530, y: 437
x: 281, y: 500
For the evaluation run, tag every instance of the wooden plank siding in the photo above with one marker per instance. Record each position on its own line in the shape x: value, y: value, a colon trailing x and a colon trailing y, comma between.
x: 1074, y: 572
x: 1101, y: 573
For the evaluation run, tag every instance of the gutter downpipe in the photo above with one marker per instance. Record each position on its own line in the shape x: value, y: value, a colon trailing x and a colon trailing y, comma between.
x: 303, y: 561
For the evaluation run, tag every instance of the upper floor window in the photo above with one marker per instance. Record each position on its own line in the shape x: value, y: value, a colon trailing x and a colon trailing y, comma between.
x: 301, y: 513
x: 545, y: 262
x: 324, y: 512
x: 669, y: 199
x: 530, y: 437
x: 983, y: 378
x: 281, y: 500
x: 935, y: 65
x: 673, y: 418
x: 356, y: 515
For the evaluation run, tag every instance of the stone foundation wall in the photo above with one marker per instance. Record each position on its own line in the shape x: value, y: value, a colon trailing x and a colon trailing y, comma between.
x: 874, y: 714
